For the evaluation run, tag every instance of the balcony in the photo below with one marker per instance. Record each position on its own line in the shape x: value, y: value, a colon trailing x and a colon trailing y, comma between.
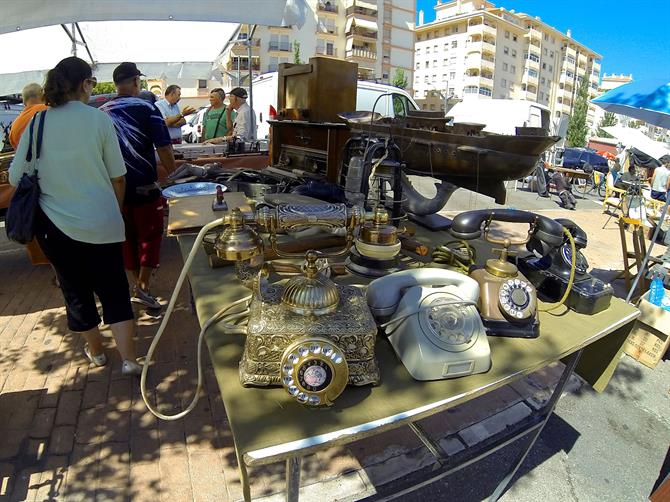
x: 534, y: 34
x: 280, y: 46
x: 357, y: 32
x: 486, y: 80
x: 488, y: 65
x: 569, y: 51
x: 482, y: 29
x: 243, y: 66
x: 565, y: 108
x: 322, y: 29
x: 473, y: 62
x: 327, y: 7
x: 530, y: 79
x: 471, y: 80
x: 532, y: 64
x: 324, y: 51
x: 357, y: 10
x: 365, y: 54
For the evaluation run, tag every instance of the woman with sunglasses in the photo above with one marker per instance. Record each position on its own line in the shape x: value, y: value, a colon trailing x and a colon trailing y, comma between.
x: 79, y: 224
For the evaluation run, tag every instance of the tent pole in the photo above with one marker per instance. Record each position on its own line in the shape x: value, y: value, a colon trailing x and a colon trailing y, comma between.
x: 251, y: 30
x: 646, y: 256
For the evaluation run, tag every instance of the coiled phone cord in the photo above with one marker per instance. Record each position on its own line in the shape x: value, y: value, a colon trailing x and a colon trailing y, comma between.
x: 449, y: 255
x: 219, y: 316
x: 571, y: 280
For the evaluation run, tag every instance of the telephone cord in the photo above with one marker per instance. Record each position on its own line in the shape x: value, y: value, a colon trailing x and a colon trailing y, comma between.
x: 401, y: 318
x: 448, y: 255
x: 168, y: 312
x: 571, y: 280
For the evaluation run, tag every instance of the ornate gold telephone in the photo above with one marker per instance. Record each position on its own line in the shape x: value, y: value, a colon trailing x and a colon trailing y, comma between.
x: 310, y: 335
x: 508, y: 301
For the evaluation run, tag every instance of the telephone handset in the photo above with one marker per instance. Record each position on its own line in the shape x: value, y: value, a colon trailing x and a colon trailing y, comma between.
x: 430, y: 318
x: 508, y: 301
x: 550, y: 273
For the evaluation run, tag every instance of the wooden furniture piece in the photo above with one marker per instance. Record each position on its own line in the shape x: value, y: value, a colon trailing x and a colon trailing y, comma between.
x: 269, y: 426
x: 190, y: 214
x: 308, y: 146
x: 613, y: 202
x: 317, y: 91
x: 633, y: 259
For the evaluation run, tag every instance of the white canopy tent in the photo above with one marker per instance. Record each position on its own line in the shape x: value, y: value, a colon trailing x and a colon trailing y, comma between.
x: 31, y: 44
x: 26, y: 14
x: 637, y: 139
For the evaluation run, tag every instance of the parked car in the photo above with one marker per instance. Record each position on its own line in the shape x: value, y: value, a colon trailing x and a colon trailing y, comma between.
x: 577, y: 158
x: 265, y: 100
x: 191, y: 131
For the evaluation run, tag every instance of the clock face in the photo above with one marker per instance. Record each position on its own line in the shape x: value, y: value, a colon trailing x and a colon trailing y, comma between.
x: 314, y: 375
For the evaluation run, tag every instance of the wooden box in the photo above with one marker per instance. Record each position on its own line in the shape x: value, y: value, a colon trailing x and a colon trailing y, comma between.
x: 317, y: 91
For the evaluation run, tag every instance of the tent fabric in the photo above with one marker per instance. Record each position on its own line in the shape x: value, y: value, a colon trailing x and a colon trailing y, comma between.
x: 366, y: 5
x: 634, y: 138
x: 364, y: 23
x: 27, y: 14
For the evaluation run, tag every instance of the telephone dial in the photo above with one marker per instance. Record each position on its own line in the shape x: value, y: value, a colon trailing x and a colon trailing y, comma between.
x: 508, y: 300
x: 430, y: 318
x: 550, y: 273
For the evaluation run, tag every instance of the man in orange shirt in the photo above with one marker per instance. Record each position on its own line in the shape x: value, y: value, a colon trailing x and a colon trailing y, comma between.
x: 33, y: 102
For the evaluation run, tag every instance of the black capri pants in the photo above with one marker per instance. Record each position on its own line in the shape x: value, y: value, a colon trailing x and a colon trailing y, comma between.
x: 85, y: 270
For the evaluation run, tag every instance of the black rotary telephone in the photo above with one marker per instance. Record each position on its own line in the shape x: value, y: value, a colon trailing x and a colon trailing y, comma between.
x: 508, y: 301
x: 550, y: 273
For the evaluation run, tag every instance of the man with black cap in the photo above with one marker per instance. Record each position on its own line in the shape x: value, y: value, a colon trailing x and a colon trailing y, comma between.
x: 243, y: 126
x: 140, y: 127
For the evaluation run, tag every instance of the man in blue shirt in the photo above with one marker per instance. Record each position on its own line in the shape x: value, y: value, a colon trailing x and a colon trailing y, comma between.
x: 140, y: 127
x: 174, y: 118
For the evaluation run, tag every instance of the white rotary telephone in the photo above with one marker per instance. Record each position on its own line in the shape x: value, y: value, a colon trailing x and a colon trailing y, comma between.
x: 430, y: 317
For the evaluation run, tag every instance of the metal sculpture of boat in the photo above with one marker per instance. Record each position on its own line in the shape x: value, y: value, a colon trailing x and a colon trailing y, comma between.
x: 461, y: 153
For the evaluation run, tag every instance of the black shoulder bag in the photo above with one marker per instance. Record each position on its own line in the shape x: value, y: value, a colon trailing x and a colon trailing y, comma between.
x: 20, y: 218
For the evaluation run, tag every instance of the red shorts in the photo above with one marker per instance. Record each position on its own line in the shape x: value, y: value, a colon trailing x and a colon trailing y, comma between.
x: 144, y: 233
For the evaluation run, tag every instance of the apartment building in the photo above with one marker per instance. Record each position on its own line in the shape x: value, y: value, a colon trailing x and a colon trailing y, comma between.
x: 474, y: 49
x: 376, y: 34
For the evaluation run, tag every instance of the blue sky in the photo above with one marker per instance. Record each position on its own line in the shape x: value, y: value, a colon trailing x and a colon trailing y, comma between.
x: 633, y: 36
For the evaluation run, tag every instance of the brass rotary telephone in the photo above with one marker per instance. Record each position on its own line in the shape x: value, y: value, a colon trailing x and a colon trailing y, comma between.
x: 310, y: 335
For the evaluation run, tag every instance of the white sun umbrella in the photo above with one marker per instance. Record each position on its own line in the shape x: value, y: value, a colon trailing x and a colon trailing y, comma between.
x: 637, y: 139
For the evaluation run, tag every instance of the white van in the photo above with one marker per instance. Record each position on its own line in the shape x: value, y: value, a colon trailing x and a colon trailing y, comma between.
x: 396, y: 102
x: 501, y: 116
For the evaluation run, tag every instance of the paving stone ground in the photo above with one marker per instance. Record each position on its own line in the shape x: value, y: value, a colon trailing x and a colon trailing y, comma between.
x: 70, y: 431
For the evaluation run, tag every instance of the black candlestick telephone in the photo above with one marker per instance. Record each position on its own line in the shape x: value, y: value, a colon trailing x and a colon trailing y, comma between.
x: 508, y: 301
x: 550, y: 273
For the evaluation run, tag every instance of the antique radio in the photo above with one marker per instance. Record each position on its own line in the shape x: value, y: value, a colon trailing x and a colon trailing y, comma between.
x: 317, y: 91
x: 310, y: 335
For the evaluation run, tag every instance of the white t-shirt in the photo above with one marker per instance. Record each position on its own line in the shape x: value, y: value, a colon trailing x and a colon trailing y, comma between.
x: 80, y: 154
x: 243, y: 126
x: 661, y: 175
x: 168, y: 110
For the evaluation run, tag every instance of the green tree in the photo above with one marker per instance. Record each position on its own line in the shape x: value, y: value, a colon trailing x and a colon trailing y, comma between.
x: 609, y: 119
x: 109, y: 87
x: 399, y: 78
x: 296, y: 52
x: 104, y: 88
x: 577, y: 127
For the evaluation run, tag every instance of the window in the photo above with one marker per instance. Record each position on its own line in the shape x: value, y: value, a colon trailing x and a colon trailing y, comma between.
x: 435, y: 48
x: 512, y: 69
x: 558, y: 114
x: 454, y: 29
x: 445, y: 61
x: 427, y: 65
x: 274, y: 62
x: 546, y: 52
x: 513, y: 53
x: 546, y: 37
x: 544, y: 66
x: 444, y: 77
x: 505, y: 50
x: 452, y: 75
x: 543, y: 80
x: 505, y: 66
x: 541, y: 95
x: 428, y: 36
x: 506, y: 34
x: 418, y: 38
x: 446, y: 47
x: 551, y: 54
x: 532, y: 73
x: 434, y: 78
x: 451, y: 91
x: 470, y: 89
x: 485, y: 91
x: 427, y: 50
x: 454, y: 44
x: 418, y: 51
x: 551, y: 68
x: 202, y: 84
x: 553, y: 40
x: 434, y: 63
x: 418, y: 65
x: 452, y: 60
x: 425, y: 79
x: 503, y: 82
x: 416, y: 94
x: 514, y: 38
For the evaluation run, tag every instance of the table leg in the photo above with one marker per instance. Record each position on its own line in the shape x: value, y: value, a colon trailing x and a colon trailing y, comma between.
x: 244, y: 477
x: 293, y: 465
x: 569, y: 368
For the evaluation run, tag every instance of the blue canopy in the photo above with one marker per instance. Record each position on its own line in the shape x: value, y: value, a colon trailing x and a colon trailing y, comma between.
x: 646, y: 100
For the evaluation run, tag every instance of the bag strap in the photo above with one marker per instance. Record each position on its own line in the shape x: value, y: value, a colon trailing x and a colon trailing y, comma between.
x: 216, y: 129
x: 40, y: 133
x: 29, y: 153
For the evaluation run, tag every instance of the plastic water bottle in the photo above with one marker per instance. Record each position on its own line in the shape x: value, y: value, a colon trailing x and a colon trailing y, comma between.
x: 656, y: 291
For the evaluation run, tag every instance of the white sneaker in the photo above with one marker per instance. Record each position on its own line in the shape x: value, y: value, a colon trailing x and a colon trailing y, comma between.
x: 99, y: 360
x: 130, y: 368
x: 145, y: 299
